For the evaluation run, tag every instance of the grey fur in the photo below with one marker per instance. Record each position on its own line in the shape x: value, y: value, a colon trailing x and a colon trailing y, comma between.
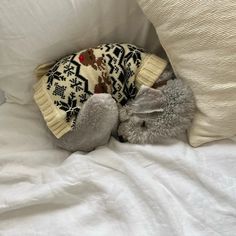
x: 97, y: 120
x: 167, y: 74
x: 157, y: 113
x: 154, y: 114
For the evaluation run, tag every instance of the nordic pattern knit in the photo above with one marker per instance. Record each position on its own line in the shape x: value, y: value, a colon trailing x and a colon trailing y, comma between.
x: 117, y: 69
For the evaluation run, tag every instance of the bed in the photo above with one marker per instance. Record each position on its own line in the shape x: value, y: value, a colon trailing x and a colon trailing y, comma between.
x: 118, y: 189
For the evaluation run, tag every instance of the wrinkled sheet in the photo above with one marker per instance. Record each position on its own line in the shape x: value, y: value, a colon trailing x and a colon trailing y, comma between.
x: 119, y: 189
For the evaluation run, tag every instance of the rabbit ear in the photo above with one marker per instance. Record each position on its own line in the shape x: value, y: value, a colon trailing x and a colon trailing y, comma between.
x: 147, y: 91
x: 149, y: 111
x: 124, y: 113
x: 148, y: 100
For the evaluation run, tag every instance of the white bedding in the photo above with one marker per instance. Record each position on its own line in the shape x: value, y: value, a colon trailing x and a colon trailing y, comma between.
x: 121, y: 189
x: 169, y: 189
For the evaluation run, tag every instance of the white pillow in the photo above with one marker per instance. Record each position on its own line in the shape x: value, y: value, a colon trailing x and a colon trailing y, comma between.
x: 35, y: 32
x: 200, y: 40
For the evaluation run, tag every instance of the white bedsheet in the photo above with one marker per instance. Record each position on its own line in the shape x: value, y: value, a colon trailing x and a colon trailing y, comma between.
x: 169, y: 189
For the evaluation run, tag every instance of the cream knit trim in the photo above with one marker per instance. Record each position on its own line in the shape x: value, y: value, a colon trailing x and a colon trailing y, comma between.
x: 54, y: 119
x: 150, y: 70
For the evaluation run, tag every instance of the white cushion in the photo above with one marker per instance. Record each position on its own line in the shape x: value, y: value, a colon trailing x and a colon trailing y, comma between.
x: 200, y: 40
x: 35, y: 32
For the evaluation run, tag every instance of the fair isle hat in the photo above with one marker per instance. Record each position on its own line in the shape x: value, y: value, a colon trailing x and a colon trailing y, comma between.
x: 62, y: 91
x: 150, y: 70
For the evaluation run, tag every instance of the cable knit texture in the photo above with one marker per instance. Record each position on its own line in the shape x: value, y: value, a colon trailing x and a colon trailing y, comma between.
x: 200, y: 40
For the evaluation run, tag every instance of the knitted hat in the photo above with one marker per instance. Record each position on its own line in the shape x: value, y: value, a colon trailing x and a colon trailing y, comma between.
x: 150, y: 70
x: 118, y: 69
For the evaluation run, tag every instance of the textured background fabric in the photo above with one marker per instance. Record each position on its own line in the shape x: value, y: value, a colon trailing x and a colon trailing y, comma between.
x: 35, y: 32
x: 200, y: 40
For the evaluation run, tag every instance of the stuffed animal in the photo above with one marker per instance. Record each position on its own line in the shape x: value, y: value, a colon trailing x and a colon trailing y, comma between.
x: 112, y: 89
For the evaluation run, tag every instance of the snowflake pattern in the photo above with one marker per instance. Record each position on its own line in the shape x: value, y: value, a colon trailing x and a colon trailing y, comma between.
x: 69, y: 70
x: 83, y: 97
x: 77, y: 84
x: 135, y: 54
x: 57, y: 103
x: 66, y: 59
x: 70, y: 107
x: 129, y: 72
x: 62, y: 78
x: 53, y: 74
